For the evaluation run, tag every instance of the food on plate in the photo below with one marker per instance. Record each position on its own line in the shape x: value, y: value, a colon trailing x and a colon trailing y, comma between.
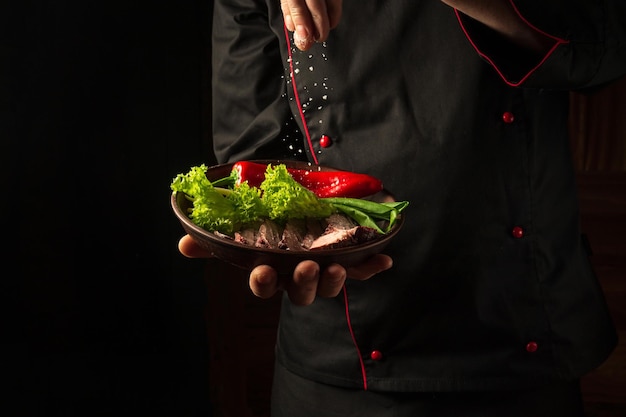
x: 321, y: 183
x: 283, y: 208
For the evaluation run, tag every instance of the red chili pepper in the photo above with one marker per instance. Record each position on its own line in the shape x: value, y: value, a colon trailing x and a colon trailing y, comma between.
x: 252, y: 172
x: 322, y: 183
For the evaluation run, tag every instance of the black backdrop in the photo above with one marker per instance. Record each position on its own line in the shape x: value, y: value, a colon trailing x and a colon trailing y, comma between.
x: 101, y: 104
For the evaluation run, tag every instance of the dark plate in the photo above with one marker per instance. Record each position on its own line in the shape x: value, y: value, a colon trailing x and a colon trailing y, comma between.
x: 284, y: 261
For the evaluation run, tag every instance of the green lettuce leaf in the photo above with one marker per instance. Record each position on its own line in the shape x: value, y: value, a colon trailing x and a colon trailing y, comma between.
x: 284, y: 198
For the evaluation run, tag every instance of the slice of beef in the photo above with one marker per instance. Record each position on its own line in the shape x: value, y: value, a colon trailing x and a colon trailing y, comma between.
x: 269, y: 235
x: 246, y: 236
x: 336, y: 231
x: 339, y: 221
x: 293, y: 235
x: 340, y: 238
x: 314, y: 229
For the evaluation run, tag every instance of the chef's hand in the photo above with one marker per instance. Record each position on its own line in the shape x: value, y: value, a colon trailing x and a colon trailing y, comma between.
x: 308, y: 281
x: 310, y: 20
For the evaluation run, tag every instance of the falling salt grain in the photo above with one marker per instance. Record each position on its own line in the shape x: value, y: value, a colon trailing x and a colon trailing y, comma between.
x: 297, y: 70
x: 311, y: 68
x: 325, y: 97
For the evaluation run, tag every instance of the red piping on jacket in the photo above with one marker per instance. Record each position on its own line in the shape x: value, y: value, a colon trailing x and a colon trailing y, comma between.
x: 558, y: 42
x: 358, y: 351
x: 310, y: 143
x: 297, y: 97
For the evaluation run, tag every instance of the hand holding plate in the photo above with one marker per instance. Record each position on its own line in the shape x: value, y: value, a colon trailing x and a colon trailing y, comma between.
x: 307, y: 282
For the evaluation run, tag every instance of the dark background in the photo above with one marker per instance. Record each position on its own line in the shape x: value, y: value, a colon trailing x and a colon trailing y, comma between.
x: 102, y: 103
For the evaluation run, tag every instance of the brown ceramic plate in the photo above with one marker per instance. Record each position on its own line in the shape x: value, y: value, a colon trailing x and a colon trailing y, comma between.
x: 284, y: 261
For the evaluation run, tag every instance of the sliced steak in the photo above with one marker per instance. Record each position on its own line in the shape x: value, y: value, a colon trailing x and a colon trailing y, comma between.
x: 340, y: 238
x: 269, y: 235
x: 336, y: 231
x: 293, y: 235
x: 246, y: 236
x: 338, y: 221
x: 314, y: 229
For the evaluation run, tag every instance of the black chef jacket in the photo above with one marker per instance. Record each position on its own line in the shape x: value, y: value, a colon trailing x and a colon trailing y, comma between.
x: 491, y: 285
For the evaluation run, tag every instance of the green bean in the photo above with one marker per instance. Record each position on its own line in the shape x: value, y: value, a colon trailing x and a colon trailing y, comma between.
x: 359, y: 216
x: 398, y: 205
x: 392, y: 219
x: 383, y: 211
x: 368, y: 206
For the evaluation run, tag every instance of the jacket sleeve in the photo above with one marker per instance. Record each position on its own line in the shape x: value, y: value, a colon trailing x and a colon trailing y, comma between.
x: 250, y: 108
x: 589, y: 44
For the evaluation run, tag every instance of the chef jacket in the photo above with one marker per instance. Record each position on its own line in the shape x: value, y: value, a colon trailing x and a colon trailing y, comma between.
x: 491, y: 285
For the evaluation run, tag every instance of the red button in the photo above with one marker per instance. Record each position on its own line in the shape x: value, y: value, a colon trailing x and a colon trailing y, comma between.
x: 508, y: 117
x: 531, y: 347
x: 518, y: 232
x: 325, y: 141
x: 376, y: 355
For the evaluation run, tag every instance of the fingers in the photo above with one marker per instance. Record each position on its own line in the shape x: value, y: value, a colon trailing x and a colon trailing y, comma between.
x: 189, y: 248
x: 308, y: 282
x: 286, y: 9
x: 304, y: 21
x: 310, y: 20
x: 303, y: 288
x: 264, y: 281
x: 374, y: 265
x: 332, y: 280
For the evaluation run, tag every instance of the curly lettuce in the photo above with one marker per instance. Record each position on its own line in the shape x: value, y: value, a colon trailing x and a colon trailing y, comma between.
x: 210, y: 210
x: 228, y: 209
x: 285, y: 198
